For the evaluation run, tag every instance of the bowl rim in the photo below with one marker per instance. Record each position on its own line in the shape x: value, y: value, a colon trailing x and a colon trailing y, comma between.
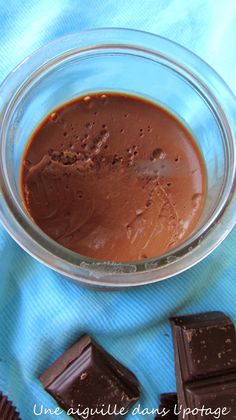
x: 99, y: 273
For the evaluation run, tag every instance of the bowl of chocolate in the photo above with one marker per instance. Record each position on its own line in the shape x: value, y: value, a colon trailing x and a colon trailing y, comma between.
x: 117, y: 163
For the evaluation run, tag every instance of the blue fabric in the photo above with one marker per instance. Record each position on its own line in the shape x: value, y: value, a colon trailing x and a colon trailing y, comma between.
x: 40, y: 313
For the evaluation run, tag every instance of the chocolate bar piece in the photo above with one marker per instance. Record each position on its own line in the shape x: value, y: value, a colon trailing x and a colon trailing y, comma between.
x: 205, y: 359
x: 7, y: 410
x: 167, y: 407
x: 87, y: 378
x: 214, y: 393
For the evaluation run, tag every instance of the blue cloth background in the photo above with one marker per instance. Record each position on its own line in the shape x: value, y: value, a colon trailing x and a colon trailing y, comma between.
x: 40, y: 313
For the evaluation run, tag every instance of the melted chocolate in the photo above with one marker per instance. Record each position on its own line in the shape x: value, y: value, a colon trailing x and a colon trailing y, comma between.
x: 114, y: 177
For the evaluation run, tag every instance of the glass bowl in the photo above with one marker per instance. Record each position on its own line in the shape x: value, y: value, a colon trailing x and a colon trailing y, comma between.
x: 131, y: 62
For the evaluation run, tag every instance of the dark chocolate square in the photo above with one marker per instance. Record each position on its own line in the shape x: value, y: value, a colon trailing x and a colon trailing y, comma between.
x: 87, y: 377
x: 214, y: 394
x: 7, y: 409
x: 168, y: 403
x: 206, y: 344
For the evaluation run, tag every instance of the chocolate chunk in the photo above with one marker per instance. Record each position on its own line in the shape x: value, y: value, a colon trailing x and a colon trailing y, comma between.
x: 206, y: 343
x: 87, y: 377
x: 205, y: 359
x: 7, y: 410
x: 167, y: 405
x: 214, y: 393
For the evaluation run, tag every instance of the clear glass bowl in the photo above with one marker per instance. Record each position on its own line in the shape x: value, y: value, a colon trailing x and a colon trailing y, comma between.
x: 137, y: 63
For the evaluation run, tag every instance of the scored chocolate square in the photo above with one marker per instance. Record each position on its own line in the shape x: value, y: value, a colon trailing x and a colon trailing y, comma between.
x: 87, y: 377
x: 205, y: 362
x: 214, y: 394
x: 206, y: 344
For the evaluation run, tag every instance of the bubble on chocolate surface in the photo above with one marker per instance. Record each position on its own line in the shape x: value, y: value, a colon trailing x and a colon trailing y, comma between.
x: 115, y: 159
x: 54, y: 117
x: 157, y: 153
x: 88, y: 102
x: 87, y: 99
x: 104, y: 99
x: 129, y: 231
x: 80, y: 194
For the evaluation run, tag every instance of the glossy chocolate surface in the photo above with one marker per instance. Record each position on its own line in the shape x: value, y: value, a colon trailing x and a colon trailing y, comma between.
x: 114, y: 177
x: 168, y: 403
x: 87, y: 377
x: 205, y: 362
